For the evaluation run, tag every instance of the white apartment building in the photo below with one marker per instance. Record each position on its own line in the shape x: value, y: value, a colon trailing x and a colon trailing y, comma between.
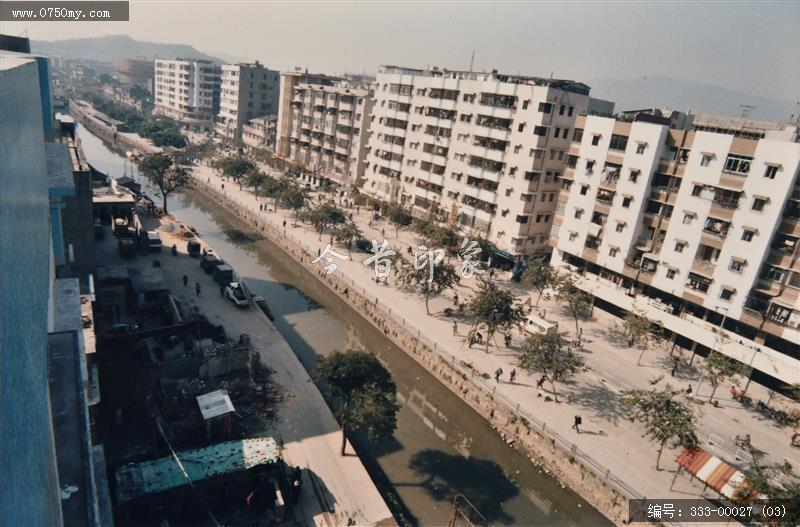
x: 290, y: 80
x: 247, y: 91
x: 260, y: 132
x: 188, y: 92
x: 329, y: 130
x: 481, y: 150
x: 702, y: 226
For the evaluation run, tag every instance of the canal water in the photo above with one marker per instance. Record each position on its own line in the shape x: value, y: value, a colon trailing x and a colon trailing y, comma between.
x: 441, y: 448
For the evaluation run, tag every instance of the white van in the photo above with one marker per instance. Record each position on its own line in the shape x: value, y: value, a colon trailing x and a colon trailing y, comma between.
x: 534, y: 324
x: 153, y: 241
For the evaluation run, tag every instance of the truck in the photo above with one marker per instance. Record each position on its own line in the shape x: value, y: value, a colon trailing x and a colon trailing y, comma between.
x: 209, y: 261
x: 534, y: 324
x: 193, y: 248
x: 223, y: 274
x: 238, y: 294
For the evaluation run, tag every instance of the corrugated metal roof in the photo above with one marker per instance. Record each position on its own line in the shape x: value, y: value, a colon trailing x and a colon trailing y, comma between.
x: 214, y: 404
x: 163, y: 474
x: 710, y: 469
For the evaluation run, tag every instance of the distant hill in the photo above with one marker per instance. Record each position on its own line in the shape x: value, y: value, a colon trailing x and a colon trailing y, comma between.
x: 114, y: 47
x: 648, y: 92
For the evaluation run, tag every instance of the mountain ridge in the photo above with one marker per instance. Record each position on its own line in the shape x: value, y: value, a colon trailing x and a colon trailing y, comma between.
x: 112, y: 48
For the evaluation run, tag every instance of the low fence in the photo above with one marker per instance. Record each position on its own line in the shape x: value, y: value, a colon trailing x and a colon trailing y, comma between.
x: 521, y: 429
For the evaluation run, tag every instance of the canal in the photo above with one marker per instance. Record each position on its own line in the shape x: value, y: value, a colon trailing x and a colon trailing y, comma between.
x: 441, y: 447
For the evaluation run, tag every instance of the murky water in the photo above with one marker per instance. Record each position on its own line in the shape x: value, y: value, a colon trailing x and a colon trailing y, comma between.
x: 441, y: 447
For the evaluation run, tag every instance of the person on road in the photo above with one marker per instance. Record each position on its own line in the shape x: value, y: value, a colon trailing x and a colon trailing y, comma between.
x: 508, y: 340
x: 497, y: 373
x: 185, y: 280
x: 222, y: 291
x: 512, y: 376
x: 577, y: 423
x: 197, y: 288
x: 455, y: 328
x: 540, y: 382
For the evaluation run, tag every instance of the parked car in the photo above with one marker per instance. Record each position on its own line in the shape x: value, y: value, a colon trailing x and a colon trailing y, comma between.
x: 223, y: 274
x: 364, y: 245
x: 126, y: 246
x: 209, y: 262
x: 236, y: 293
x: 534, y: 324
x: 152, y: 241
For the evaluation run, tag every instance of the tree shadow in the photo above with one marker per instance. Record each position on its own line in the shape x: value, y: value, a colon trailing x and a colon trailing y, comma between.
x: 615, y: 336
x: 601, y: 399
x: 481, y: 481
x: 682, y: 372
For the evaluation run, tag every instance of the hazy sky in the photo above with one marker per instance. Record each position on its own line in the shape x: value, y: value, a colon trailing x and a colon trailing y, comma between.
x: 750, y: 47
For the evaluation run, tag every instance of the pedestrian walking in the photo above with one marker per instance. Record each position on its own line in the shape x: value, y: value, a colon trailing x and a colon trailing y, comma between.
x: 222, y: 291
x: 455, y: 296
x: 185, y: 280
x: 508, y: 340
x: 197, y: 288
x: 471, y: 340
x: 284, y: 224
x: 497, y: 373
x: 540, y: 382
x: 512, y: 376
x: 674, y: 367
x: 455, y: 328
x: 479, y: 338
x: 580, y: 334
x: 223, y: 186
x: 577, y: 423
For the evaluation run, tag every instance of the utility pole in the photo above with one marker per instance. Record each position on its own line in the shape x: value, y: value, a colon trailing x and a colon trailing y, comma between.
x: 472, y: 60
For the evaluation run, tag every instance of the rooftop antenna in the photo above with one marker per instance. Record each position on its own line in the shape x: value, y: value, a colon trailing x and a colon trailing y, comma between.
x: 747, y: 109
x: 472, y: 60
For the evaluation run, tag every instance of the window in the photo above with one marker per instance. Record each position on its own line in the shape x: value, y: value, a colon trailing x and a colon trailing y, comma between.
x: 688, y: 218
x: 726, y: 293
x: 737, y: 266
x: 613, y: 251
x: 540, y: 130
x: 640, y: 148
x: 561, y: 109
x: 620, y: 227
x: 522, y: 219
x: 738, y: 164
x: 520, y: 127
x: 634, y: 175
x: 556, y: 131
x: 626, y: 201
x: 584, y: 189
x: 573, y: 236
x: 618, y: 142
x: 525, y: 104
x: 565, y: 134
x: 706, y: 160
x: 759, y: 204
x: 545, y: 107
x: 771, y: 171
x: 680, y: 246
x: 747, y: 235
x: 595, y: 140
x: 569, y: 112
x: 517, y: 148
x: 466, y: 118
x: 577, y: 135
x: 589, y: 166
x: 578, y: 213
x: 671, y: 273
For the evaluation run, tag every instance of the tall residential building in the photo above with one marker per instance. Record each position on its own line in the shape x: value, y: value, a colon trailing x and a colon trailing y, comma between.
x: 290, y: 80
x: 136, y: 72
x: 699, y: 221
x: 260, y: 132
x: 248, y: 91
x: 46, y: 454
x: 483, y: 151
x: 329, y: 130
x: 188, y: 91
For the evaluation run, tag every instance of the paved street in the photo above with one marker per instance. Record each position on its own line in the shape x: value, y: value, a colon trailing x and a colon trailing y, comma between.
x: 609, y: 438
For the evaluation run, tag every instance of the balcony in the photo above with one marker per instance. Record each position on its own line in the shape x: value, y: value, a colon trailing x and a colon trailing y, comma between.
x: 723, y: 209
x: 770, y: 287
x: 716, y: 228
x: 704, y: 267
x: 790, y: 226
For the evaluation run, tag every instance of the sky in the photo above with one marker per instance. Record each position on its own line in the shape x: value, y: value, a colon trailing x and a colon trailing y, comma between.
x: 750, y: 47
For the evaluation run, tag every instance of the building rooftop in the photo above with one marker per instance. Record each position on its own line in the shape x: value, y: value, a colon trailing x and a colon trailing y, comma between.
x: 59, y: 169
x: 561, y: 84
x: 215, y: 404
x: 10, y: 59
x: 147, y: 280
x: 163, y: 474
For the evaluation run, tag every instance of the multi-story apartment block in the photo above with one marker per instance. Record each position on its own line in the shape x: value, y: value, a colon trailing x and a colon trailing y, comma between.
x: 481, y: 150
x: 700, y: 220
x: 289, y: 81
x: 329, y: 130
x: 136, y: 72
x: 188, y: 91
x: 260, y: 132
x: 248, y: 91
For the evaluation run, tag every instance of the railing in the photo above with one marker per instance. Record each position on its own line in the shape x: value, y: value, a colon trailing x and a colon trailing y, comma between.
x: 467, y: 372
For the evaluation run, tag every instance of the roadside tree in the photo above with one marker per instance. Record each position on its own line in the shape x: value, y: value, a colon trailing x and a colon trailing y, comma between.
x: 539, y: 275
x: 495, y: 310
x: 363, y: 393
x: 164, y: 174
x: 548, y: 354
x: 444, y: 277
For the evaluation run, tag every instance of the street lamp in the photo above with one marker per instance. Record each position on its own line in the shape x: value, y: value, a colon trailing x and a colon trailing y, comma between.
x: 750, y: 368
x: 717, y: 340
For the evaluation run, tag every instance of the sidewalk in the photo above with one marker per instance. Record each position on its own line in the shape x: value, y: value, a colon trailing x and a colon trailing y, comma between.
x: 609, y: 438
x: 335, y: 488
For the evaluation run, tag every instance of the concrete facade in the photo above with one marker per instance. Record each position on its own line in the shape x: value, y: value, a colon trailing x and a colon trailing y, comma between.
x: 483, y: 151
x: 136, y: 72
x: 329, y: 130
x: 708, y: 221
x: 260, y: 132
x: 27, y: 451
x: 248, y: 91
x: 188, y: 91
x: 289, y: 80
